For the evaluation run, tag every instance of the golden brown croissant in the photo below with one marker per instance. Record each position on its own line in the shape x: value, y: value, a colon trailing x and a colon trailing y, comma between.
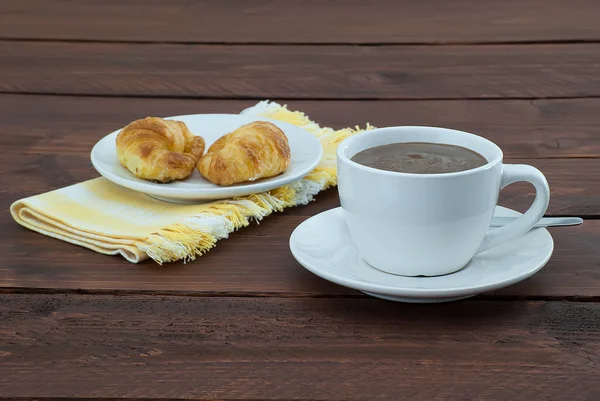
x: 256, y: 150
x: 159, y: 150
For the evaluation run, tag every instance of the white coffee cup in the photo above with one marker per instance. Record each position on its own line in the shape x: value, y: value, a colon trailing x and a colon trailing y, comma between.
x: 429, y: 224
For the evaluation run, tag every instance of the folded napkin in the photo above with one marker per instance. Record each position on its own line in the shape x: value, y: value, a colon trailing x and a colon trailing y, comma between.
x: 110, y: 219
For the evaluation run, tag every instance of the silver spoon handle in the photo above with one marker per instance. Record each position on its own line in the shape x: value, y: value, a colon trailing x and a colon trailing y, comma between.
x: 544, y: 222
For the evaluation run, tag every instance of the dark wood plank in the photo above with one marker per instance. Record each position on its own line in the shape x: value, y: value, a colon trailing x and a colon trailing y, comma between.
x: 254, y: 261
x: 315, y: 349
x: 301, y: 72
x: 522, y: 128
x: 47, y: 141
x: 52, y: 149
x: 356, y: 21
x: 572, y: 181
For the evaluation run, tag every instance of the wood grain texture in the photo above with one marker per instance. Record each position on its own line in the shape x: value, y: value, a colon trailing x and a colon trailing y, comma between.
x: 356, y: 21
x: 255, y: 261
x: 301, y: 72
x: 258, y: 325
x: 47, y: 141
x: 550, y: 128
x: 231, y: 348
x: 52, y: 149
x: 572, y: 181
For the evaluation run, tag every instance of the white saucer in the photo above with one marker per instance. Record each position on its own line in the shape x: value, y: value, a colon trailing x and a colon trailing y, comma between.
x: 322, y: 244
x: 306, y: 152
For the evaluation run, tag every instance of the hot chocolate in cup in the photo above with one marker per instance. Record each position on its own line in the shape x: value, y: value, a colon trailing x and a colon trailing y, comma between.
x: 428, y: 223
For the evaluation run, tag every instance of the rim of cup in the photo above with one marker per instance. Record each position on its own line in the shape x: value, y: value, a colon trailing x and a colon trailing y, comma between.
x: 343, y: 146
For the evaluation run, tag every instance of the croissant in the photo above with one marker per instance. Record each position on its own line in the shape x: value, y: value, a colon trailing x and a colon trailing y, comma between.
x: 159, y: 150
x: 256, y: 150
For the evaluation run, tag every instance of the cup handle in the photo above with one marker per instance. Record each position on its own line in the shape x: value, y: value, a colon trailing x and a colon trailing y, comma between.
x: 512, y: 173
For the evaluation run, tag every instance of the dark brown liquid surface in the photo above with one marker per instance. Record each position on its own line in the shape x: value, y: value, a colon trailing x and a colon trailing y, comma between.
x: 420, y: 158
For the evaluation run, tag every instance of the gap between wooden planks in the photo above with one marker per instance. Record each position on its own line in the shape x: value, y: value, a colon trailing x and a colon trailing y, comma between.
x: 298, y: 21
x: 301, y: 72
x: 48, y: 138
x: 206, y: 348
x: 551, y: 128
x: 256, y: 261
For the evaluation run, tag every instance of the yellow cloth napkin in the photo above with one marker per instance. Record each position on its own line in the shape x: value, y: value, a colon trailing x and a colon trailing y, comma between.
x: 109, y: 219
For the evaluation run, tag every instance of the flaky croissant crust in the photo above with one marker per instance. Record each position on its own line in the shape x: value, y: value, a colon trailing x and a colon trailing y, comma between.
x: 159, y: 150
x: 256, y: 150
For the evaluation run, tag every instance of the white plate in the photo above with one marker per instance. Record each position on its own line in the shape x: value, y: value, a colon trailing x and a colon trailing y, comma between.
x: 305, y: 148
x: 322, y: 244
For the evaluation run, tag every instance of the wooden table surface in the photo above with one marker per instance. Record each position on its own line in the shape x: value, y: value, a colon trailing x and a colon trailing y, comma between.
x: 246, y: 321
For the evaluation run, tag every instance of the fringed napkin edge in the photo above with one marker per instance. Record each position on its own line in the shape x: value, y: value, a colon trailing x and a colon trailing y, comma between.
x: 197, y: 234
